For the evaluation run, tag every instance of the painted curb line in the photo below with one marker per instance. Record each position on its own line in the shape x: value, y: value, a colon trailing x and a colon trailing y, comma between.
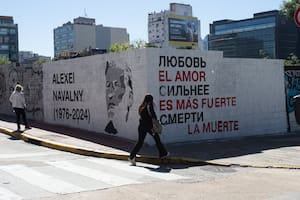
x: 145, y: 159
x: 95, y: 153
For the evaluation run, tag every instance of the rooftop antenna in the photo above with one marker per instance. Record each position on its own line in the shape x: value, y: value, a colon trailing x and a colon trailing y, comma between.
x: 85, y: 14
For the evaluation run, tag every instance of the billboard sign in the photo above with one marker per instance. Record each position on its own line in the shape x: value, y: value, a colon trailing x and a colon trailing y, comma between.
x: 183, y: 31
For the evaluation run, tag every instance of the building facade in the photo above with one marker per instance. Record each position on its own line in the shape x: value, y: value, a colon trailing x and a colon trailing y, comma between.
x: 83, y: 34
x: 175, y: 28
x: 9, y: 45
x: 106, y: 36
x: 75, y: 36
x: 30, y: 57
x: 266, y: 35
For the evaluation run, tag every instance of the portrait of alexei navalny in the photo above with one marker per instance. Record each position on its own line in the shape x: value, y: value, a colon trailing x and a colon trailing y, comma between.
x: 119, y: 93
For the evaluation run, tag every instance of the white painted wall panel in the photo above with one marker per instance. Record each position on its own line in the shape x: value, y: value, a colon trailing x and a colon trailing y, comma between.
x: 253, y: 90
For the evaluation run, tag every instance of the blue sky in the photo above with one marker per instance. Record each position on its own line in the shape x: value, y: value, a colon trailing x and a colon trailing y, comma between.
x: 37, y: 18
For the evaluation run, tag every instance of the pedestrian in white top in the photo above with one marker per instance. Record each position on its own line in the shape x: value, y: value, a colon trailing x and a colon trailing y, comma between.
x: 18, y: 103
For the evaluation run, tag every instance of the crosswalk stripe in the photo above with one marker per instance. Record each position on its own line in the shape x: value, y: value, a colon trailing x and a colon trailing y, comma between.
x: 94, y: 174
x: 8, y: 195
x: 23, y: 155
x: 121, y: 165
x: 41, y: 180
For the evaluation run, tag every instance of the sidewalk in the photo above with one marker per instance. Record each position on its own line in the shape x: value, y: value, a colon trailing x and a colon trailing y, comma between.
x: 281, y: 151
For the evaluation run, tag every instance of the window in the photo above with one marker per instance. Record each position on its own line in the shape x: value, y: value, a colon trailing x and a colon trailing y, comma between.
x: 12, y: 31
x: 248, y: 25
x: 12, y: 48
x: 6, y: 39
x: 4, y: 47
x: 14, y: 57
x: 4, y: 31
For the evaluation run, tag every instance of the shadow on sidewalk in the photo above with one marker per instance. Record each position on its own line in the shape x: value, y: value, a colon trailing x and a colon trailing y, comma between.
x: 233, y: 147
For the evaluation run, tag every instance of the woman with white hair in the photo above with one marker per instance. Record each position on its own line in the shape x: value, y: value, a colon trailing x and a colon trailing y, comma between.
x: 18, y: 103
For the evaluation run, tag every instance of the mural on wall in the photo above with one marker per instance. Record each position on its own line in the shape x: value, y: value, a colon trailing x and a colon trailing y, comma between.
x: 292, y: 84
x: 102, y: 104
x: 33, y: 91
x: 14, y: 77
x: 185, y: 97
x: 292, y: 88
x: 199, y: 95
x: 118, y: 88
x: 30, y: 76
x: 63, y: 97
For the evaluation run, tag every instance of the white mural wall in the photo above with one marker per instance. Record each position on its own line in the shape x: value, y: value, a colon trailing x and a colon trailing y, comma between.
x: 198, y: 95
x: 96, y: 93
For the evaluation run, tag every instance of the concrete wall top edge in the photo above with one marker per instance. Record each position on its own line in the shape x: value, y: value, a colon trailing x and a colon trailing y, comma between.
x: 275, y: 61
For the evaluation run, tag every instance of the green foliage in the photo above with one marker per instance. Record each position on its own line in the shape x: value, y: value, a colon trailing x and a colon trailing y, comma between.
x: 41, y: 61
x: 263, y: 54
x: 288, y: 8
x: 138, y: 44
x: 292, y: 60
x: 120, y: 47
x: 149, y: 45
x: 4, y: 60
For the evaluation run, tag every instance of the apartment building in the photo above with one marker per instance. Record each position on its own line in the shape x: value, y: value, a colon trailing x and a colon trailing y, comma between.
x: 175, y: 28
x: 9, y: 45
x: 84, y: 34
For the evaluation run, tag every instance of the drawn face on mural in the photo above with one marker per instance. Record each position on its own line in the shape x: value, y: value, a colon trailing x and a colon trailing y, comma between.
x: 118, y: 89
x: 115, y: 87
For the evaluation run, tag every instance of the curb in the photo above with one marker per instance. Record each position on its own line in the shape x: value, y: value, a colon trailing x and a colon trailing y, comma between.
x: 90, y: 152
x: 145, y: 159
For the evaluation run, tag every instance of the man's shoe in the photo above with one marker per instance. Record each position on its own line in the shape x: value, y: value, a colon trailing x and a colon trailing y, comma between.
x: 27, y: 128
x: 132, y: 161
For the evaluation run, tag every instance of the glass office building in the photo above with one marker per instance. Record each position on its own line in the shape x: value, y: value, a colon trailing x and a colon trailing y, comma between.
x: 267, y: 34
x: 9, y: 47
x: 63, y: 38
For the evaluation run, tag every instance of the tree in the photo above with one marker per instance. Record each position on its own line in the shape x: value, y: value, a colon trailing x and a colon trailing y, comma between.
x: 41, y: 61
x: 4, y: 60
x: 116, y: 47
x: 138, y: 44
x: 292, y: 60
x: 149, y: 45
x: 288, y: 8
x: 263, y: 54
